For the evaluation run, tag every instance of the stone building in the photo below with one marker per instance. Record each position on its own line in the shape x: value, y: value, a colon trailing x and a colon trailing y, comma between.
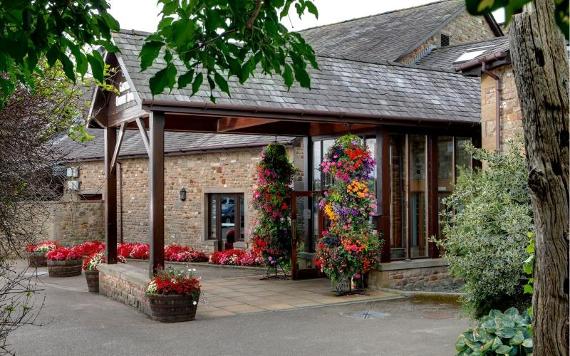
x: 398, y: 68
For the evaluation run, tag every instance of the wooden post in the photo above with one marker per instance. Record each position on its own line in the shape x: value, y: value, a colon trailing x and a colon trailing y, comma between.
x: 156, y: 189
x: 433, y: 213
x: 110, y: 197
x: 383, y: 188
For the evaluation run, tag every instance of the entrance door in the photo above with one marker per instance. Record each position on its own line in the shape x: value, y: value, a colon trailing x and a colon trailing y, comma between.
x: 304, y: 219
x: 225, y: 219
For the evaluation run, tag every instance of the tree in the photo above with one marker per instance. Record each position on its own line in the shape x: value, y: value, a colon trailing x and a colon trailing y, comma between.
x: 29, y: 123
x: 215, y: 40
x: 540, y: 64
x: 55, y: 31
x: 199, y: 40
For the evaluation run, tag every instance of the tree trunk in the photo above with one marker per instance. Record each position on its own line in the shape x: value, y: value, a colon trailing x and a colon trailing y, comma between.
x: 540, y: 65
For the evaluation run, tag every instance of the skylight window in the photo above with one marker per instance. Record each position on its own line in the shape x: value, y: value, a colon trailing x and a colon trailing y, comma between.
x: 467, y: 56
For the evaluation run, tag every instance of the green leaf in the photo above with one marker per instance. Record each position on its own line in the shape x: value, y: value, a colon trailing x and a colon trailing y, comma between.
x: 312, y: 9
x: 528, y: 343
x: 111, y: 21
x: 185, y: 79
x: 517, y: 339
x: 222, y: 83
x: 97, y: 66
x: 302, y: 76
x: 503, y: 350
x: 197, y: 83
x: 68, y: 67
x: 288, y: 76
x: 162, y: 79
x: 149, y: 53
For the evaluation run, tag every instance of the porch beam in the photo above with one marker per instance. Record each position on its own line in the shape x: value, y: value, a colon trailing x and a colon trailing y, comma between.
x: 384, y: 191
x: 110, y: 135
x: 144, y: 135
x: 228, y: 124
x: 118, y: 147
x: 156, y: 188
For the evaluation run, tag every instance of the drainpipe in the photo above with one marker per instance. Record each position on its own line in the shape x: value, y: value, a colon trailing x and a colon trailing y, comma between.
x: 497, y: 107
x: 120, y: 176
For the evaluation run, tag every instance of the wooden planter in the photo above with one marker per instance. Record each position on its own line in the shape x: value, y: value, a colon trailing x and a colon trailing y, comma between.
x: 67, y: 268
x: 92, y: 278
x: 173, y: 308
x: 37, y: 260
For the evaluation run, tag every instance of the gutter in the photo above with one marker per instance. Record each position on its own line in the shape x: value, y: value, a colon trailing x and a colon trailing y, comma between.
x: 481, y: 60
x: 498, y: 95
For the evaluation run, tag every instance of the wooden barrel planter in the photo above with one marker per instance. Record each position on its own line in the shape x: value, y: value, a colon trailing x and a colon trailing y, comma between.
x: 37, y: 260
x: 92, y: 278
x: 173, y: 308
x: 68, y: 268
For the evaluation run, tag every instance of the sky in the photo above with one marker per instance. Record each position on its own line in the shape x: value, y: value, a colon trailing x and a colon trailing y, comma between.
x: 143, y: 14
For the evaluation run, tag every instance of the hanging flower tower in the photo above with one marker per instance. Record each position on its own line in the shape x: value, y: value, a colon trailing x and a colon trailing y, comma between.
x: 271, y: 236
x: 349, y: 248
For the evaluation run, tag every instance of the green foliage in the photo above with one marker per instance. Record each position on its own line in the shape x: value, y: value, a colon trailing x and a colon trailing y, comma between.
x: 32, y: 31
x: 219, y: 39
x: 481, y: 7
x: 528, y: 266
x: 486, y: 225
x: 498, y: 334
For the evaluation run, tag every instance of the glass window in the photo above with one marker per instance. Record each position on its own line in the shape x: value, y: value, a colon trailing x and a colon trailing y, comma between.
x: 462, y: 157
x: 417, y: 196
x: 226, y: 216
x: 317, y: 158
x: 445, y: 178
x: 398, y: 197
x: 371, y: 144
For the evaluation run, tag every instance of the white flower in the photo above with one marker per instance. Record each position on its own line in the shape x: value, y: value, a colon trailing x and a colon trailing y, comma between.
x: 194, y: 302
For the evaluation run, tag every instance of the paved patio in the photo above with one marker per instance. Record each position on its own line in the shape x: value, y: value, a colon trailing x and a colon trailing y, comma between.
x: 228, y: 291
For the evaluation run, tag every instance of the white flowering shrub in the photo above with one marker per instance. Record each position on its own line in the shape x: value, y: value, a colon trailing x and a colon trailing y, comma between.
x: 486, y: 225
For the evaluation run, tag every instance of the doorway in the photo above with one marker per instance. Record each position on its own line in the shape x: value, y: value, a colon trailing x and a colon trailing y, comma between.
x: 226, y: 219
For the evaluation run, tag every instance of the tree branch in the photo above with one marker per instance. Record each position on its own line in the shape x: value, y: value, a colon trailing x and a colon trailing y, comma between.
x: 254, y: 14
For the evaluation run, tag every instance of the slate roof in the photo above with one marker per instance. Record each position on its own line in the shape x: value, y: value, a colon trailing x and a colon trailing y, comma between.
x: 380, y: 91
x: 174, y: 142
x: 444, y: 57
x: 385, y: 36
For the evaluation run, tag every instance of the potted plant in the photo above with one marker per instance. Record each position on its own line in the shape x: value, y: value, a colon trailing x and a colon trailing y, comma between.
x: 90, y: 267
x: 37, y: 253
x: 64, y: 262
x: 173, y: 295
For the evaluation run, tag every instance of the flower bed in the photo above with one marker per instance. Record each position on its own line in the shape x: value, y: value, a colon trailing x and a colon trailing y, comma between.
x: 173, y: 295
x: 37, y: 253
x: 236, y: 257
x: 88, y: 248
x: 63, y: 262
x: 179, y: 253
x: 136, y: 250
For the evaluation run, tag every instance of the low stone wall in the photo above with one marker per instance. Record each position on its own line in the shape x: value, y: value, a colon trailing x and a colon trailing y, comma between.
x: 428, y: 274
x: 125, y: 284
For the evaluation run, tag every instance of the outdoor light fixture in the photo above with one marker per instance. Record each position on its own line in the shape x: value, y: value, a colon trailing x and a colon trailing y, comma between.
x: 183, y: 194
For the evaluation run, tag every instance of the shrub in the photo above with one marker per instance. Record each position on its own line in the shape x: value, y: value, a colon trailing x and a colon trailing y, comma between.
x: 486, y: 225
x: 498, y: 334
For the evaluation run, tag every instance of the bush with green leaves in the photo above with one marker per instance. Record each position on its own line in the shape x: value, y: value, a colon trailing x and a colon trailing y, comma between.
x: 486, y: 228
x: 508, y: 333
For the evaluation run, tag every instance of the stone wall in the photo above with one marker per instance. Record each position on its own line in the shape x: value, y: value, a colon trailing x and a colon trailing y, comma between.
x: 510, y: 110
x: 225, y: 171
x: 464, y: 29
x: 419, y: 275
x: 124, y: 284
x: 69, y: 221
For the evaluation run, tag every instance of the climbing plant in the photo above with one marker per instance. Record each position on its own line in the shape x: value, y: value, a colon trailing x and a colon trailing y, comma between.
x: 349, y: 248
x: 271, y: 236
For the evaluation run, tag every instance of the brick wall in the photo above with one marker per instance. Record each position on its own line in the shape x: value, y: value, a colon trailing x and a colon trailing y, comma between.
x: 418, y: 275
x: 125, y: 285
x: 510, y: 111
x: 228, y: 171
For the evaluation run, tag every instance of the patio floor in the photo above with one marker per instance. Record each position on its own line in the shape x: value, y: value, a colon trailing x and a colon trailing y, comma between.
x: 230, y: 291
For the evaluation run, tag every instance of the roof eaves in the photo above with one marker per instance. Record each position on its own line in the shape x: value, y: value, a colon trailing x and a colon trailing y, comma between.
x: 483, y: 59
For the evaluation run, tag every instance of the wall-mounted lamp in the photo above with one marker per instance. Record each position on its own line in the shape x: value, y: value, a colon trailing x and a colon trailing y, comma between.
x: 183, y: 194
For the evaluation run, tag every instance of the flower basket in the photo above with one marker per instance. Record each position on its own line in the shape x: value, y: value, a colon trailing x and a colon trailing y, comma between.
x: 172, y: 308
x: 92, y: 278
x: 66, y: 268
x: 35, y: 260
